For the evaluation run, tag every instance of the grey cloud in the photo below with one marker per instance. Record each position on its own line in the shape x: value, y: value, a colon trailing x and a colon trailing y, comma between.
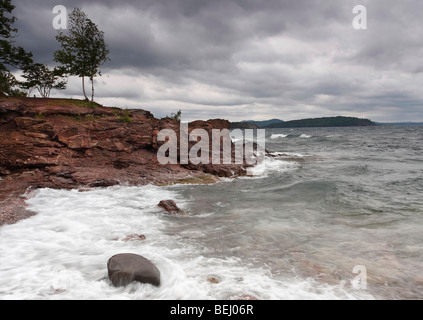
x: 254, y: 52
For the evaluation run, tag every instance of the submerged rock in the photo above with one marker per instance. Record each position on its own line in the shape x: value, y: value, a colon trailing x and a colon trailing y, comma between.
x: 171, y: 207
x: 125, y: 268
x: 135, y: 237
x: 213, y: 279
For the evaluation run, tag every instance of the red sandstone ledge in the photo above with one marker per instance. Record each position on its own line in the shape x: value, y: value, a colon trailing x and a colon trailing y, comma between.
x: 72, y: 144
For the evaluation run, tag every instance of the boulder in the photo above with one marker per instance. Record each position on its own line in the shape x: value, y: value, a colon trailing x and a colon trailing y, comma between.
x: 213, y: 279
x: 125, y: 268
x: 171, y: 207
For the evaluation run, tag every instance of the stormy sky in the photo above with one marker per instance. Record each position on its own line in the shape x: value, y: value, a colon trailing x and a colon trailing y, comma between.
x: 248, y: 59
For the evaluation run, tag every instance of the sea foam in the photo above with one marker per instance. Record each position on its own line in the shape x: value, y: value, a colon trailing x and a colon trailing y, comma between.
x: 61, y: 253
x: 278, y: 136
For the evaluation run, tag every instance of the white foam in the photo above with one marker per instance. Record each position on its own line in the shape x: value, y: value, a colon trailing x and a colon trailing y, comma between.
x: 287, y: 154
x: 278, y: 136
x: 305, y: 136
x: 62, y: 252
x: 270, y: 166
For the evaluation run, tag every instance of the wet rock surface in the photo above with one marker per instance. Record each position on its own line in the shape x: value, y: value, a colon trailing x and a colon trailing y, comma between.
x: 125, y: 268
x: 170, y: 207
x: 54, y: 143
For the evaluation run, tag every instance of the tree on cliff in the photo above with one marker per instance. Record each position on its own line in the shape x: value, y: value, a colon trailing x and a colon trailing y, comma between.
x: 83, y: 49
x: 10, y: 55
x: 40, y: 77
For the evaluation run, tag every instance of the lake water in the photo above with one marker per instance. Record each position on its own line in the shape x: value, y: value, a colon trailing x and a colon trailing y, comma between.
x: 332, y: 206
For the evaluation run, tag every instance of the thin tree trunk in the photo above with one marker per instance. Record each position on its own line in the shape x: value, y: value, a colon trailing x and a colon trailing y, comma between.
x: 92, y: 89
x: 83, y: 88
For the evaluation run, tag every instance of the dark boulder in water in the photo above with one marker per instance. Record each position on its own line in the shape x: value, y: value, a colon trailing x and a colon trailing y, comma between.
x: 171, y: 207
x: 125, y: 268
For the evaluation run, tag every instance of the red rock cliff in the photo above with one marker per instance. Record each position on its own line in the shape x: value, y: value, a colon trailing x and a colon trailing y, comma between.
x: 68, y: 144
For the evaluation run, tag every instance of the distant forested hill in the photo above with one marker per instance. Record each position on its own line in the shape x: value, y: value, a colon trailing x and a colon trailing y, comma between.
x: 324, y: 122
x: 266, y: 123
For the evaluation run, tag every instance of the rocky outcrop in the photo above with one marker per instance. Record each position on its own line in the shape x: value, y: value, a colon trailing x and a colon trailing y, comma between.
x: 125, y: 268
x: 71, y: 144
x: 243, y: 125
x: 171, y: 207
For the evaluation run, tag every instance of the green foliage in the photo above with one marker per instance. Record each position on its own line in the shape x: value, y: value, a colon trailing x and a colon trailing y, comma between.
x: 17, y: 93
x: 72, y: 102
x: 7, y: 82
x: 6, y: 7
x: 84, y: 49
x: 10, y: 55
x: 175, y: 116
x: 86, y: 104
x: 39, y: 76
x: 40, y: 115
x: 124, y: 116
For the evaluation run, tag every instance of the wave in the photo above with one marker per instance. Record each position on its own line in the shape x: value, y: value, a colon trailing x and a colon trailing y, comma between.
x: 286, y: 155
x: 271, y: 166
x: 305, y: 136
x: 277, y: 136
x: 282, y: 136
x: 61, y: 253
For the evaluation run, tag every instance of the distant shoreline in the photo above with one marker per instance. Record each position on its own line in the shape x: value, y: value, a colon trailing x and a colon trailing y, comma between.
x: 324, y: 122
x: 400, y: 123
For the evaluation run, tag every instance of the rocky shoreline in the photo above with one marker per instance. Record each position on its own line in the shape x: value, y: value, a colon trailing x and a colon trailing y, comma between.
x: 72, y: 144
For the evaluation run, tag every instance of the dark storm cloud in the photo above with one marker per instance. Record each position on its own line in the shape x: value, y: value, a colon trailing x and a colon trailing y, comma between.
x: 274, y: 58
x: 176, y: 33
